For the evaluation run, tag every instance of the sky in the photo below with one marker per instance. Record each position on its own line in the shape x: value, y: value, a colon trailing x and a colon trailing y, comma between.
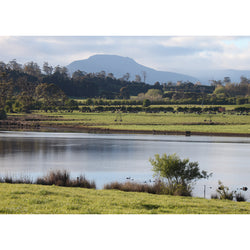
x: 182, y: 54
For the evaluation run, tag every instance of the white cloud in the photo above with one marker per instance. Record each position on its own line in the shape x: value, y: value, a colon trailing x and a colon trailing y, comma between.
x: 180, y: 54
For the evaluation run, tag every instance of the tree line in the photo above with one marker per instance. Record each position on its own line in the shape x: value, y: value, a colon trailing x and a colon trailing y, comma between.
x: 28, y: 87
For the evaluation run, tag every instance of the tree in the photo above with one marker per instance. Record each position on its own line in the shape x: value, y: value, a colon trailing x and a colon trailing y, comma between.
x: 137, y: 78
x: 65, y: 71
x: 13, y: 65
x: 50, y: 95
x: 101, y: 74
x: 89, y: 102
x: 2, y: 66
x: 144, y: 75
x: 61, y: 73
x: 126, y: 77
x: 32, y: 68
x: 71, y: 105
x: 2, y: 115
x: 154, y: 94
x: 24, y: 85
x: 77, y: 75
x: 124, y: 92
x: 146, y: 103
x: 179, y: 174
x: 219, y: 89
x: 241, y: 100
x: 244, y: 80
x: 61, y: 70
x: 47, y: 69
x: 58, y: 69
x: 227, y: 79
x: 216, y: 83
x: 25, y: 101
x: 111, y: 75
x: 157, y: 85
x: 6, y: 91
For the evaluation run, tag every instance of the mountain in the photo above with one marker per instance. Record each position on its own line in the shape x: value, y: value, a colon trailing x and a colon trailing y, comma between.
x: 119, y: 66
x: 205, y: 76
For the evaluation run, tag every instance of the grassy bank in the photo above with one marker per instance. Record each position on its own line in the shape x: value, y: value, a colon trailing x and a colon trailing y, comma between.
x: 148, y: 122
x: 37, y: 199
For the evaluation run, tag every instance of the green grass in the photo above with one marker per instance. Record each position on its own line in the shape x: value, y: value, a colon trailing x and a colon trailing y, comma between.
x: 240, y: 129
x: 223, y: 123
x: 37, y: 199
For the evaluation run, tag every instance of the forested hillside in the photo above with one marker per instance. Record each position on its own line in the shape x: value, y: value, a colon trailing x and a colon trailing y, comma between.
x: 27, y: 87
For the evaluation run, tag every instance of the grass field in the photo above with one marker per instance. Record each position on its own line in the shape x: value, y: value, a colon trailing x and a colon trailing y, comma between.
x: 206, y: 123
x: 37, y: 199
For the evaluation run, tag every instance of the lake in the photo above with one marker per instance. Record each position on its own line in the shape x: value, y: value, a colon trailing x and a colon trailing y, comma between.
x: 113, y: 157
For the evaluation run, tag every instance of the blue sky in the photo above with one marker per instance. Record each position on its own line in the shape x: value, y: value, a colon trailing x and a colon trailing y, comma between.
x: 240, y: 42
x: 184, y: 54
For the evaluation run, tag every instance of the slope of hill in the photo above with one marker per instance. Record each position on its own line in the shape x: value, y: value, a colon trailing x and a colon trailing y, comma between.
x: 119, y: 66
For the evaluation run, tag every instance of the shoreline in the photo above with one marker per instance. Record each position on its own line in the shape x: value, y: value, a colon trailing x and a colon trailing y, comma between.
x: 87, y: 129
x: 152, y: 132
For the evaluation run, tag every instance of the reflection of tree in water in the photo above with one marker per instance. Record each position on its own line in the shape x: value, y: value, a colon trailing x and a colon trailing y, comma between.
x: 27, y: 146
x: 45, y: 146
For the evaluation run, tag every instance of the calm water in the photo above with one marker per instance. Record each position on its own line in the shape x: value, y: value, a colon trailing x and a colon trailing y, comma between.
x: 106, y: 158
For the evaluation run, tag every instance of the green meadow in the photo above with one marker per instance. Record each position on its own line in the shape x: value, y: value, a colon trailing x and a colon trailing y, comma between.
x: 38, y: 199
x: 205, y: 123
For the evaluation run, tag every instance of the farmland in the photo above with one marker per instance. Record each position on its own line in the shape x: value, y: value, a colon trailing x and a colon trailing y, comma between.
x: 162, y: 122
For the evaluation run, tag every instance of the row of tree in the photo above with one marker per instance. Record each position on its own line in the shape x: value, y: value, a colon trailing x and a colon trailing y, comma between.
x: 26, y: 87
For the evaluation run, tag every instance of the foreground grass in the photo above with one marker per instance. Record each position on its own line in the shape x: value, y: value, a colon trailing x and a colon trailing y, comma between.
x: 37, y: 199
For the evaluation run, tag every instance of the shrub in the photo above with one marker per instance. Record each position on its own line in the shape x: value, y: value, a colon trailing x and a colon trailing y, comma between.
x: 24, y: 180
x: 240, y: 197
x: 62, y: 178
x: 179, y: 174
x: 157, y: 188
x: 181, y: 109
x: 180, y: 190
x: 58, y: 178
x: 214, y: 196
x: 82, y: 182
x: 223, y: 192
x: 89, y: 101
x: 10, y: 179
x: 2, y: 115
x: 146, y: 103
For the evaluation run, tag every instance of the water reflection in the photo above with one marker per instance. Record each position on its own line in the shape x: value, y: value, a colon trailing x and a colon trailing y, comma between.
x: 106, y: 158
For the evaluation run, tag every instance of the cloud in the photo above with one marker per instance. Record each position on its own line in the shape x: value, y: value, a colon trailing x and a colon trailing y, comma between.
x: 170, y: 53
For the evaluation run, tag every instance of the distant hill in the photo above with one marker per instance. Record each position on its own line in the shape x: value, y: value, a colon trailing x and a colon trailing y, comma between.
x: 205, y: 76
x: 119, y: 66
